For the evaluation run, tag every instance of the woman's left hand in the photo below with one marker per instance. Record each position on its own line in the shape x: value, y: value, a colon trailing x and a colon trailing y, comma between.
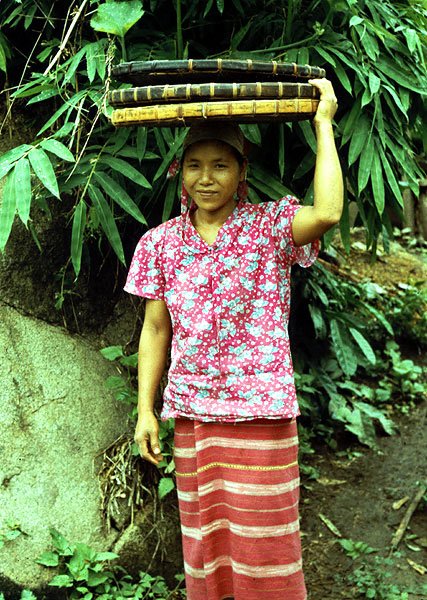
x: 328, y: 101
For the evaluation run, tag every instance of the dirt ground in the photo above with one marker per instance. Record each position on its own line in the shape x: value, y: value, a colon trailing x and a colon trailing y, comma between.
x: 356, y: 492
x: 357, y: 488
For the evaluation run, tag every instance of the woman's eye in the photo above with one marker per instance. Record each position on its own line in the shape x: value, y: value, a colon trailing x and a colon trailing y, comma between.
x: 220, y: 166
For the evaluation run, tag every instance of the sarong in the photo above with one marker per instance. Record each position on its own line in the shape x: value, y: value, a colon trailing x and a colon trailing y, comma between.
x: 238, y: 493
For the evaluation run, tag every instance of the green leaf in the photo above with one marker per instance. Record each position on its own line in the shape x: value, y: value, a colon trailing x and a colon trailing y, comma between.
x: 95, y: 579
x: 62, y: 581
x: 73, y: 64
x: 107, y: 221
x: 365, y: 164
x: 112, y: 352
x: 343, y: 349
x: 77, y: 235
x: 42, y: 167
x: 318, y: 321
x: 359, y: 139
x: 343, y: 77
x: 166, y: 485
x: 374, y: 413
x: 117, y: 17
x: 58, y: 149
x: 48, y: 559
x: 391, y: 68
x: 91, y: 60
x: 378, y: 183
x: 8, y: 159
x: 364, y: 345
x: 268, y: 183
x: 118, y: 194
x: 63, y: 547
x: 169, y: 198
x: 23, y: 189
x: 123, y: 167
x: 391, y: 179
x: 7, y: 210
x: 380, y: 317
x: 345, y: 226
x: 106, y: 556
x: 220, y: 6
x: 308, y: 134
x: 141, y: 142
x: 170, y: 154
x: 252, y: 133
x: 374, y: 83
x: 69, y: 105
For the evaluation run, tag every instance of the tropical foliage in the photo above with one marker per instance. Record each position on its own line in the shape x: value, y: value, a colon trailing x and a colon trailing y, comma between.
x: 374, y: 52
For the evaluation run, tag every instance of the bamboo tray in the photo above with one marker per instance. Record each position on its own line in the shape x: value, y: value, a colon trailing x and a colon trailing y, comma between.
x: 185, y: 71
x: 243, y: 111
x: 205, y: 91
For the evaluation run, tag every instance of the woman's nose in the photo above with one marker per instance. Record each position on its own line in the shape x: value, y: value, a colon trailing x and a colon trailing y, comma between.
x: 206, y: 176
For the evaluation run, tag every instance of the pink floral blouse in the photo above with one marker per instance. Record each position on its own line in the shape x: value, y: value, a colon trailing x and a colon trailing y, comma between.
x: 229, y: 306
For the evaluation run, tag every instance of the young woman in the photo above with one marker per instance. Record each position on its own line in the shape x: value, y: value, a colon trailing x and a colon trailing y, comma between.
x: 216, y: 280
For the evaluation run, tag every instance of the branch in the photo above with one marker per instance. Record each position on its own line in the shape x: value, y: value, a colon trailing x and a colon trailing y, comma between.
x: 407, y: 517
x: 66, y: 38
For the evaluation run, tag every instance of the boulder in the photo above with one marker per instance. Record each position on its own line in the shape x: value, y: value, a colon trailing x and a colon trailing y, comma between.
x: 56, y: 415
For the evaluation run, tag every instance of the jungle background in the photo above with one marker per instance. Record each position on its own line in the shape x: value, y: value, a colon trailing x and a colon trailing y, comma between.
x: 76, y: 196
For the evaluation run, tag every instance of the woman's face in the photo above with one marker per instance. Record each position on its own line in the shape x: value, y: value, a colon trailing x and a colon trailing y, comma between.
x: 211, y: 174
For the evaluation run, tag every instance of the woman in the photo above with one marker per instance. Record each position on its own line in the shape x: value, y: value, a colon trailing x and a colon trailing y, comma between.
x: 216, y: 280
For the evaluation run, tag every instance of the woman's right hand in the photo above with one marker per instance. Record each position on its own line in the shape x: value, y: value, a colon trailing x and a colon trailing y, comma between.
x: 147, y: 437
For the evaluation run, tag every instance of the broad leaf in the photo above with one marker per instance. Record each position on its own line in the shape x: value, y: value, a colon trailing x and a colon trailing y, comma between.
x: 343, y: 350
x: 364, y: 345
x: 166, y: 485
x: 359, y: 139
x: 117, y: 17
x: 365, y: 164
x: 107, y: 221
x: 48, y: 559
x: 23, y: 189
x: 8, y: 159
x: 42, y: 167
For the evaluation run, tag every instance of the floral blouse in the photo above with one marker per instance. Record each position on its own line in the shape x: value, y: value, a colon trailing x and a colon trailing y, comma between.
x: 229, y: 305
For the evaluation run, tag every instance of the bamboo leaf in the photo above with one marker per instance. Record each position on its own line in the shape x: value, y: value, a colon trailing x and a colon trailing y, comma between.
x: 42, y: 167
x: 374, y: 83
x: 364, y: 345
x: 141, y: 142
x: 170, y: 155
x: 380, y: 317
x: 68, y: 105
x: 220, y: 6
x: 7, y: 210
x: 365, y: 164
x: 252, y: 133
x: 391, y: 179
x: 344, y: 79
x: 91, y: 60
x: 358, y: 139
x: 123, y: 167
x: 73, y: 65
x: 391, y: 69
x: 23, y: 189
x: 345, y: 226
x: 107, y: 221
x: 118, y: 194
x: 77, y: 235
x: 169, y: 198
x: 58, y: 149
x: 308, y: 134
x: 281, y: 150
x: 378, y: 183
x: 8, y: 159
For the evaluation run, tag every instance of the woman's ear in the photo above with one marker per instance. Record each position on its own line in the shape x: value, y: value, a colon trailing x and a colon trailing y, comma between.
x: 243, y: 170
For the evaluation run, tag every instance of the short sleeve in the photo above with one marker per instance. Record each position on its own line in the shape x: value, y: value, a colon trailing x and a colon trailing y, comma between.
x: 285, y: 211
x: 145, y: 277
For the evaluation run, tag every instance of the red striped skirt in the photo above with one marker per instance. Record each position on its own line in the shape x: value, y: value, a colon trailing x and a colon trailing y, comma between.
x: 238, y: 492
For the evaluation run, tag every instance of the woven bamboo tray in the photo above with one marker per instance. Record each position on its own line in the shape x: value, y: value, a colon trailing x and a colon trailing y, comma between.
x: 243, y: 111
x: 215, y: 91
x: 193, y: 70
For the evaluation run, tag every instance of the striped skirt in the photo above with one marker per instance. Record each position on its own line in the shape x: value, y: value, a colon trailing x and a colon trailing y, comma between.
x: 238, y: 492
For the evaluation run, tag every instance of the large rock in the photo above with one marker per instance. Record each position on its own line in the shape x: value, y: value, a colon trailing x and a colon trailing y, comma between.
x: 55, y: 416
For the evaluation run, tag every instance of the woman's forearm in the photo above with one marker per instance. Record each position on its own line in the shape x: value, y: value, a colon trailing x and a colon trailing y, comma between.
x: 152, y: 359
x: 328, y: 181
